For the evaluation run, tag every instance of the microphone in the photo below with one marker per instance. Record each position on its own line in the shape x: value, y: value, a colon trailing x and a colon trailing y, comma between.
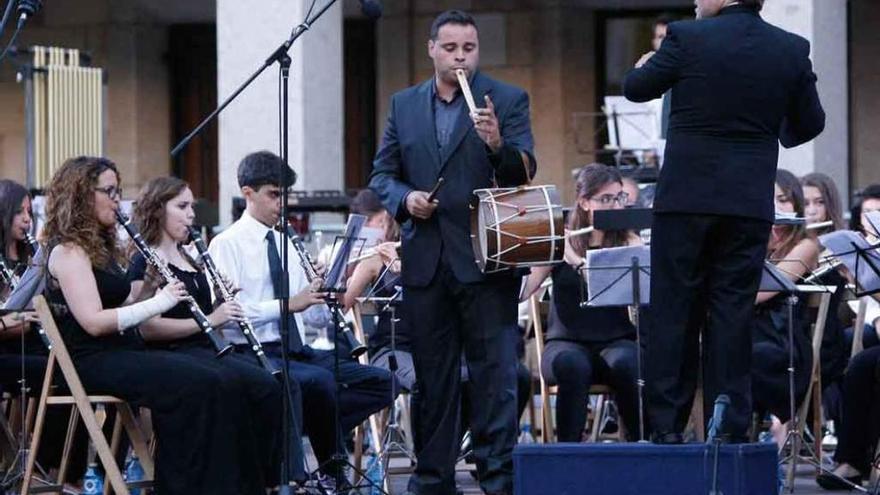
x: 27, y: 9
x: 715, y: 424
x: 371, y: 8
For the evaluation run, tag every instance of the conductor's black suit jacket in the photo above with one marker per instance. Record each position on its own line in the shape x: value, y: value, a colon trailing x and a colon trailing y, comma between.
x: 739, y: 86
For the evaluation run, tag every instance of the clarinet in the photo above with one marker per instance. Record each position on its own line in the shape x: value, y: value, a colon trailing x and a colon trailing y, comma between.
x: 246, y: 327
x: 308, y: 266
x: 12, y: 280
x: 8, y: 274
x: 220, y: 345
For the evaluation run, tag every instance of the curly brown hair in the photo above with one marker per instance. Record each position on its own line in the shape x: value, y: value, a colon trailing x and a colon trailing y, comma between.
x: 149, y: 210
x: 70, y: 210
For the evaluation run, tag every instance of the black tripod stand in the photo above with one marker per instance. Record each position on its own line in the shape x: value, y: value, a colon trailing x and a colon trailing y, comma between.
x: 339, y: 462
x: 16, y: 470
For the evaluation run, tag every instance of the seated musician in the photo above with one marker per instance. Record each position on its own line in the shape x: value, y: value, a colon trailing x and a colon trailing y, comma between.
x: 248, y: 253
x: 591, y: 344
x: 868, y: 201
x: 195, y: 413
x: 163, y: 214
x: 794, y: 253
x: 859, y: 429
x: 822, y: 206
x: 15, y: 223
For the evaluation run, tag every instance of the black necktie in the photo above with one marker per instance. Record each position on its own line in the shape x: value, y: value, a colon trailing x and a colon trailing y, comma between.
x: 294, y: 342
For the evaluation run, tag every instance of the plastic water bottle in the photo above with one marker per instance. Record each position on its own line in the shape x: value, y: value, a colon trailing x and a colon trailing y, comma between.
x: 376, y: 475
x: 134, y: 472
x: 525, y: 435
x: 93, y: 481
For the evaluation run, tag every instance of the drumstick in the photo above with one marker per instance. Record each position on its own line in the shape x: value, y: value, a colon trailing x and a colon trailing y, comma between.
x: 585, y: 230
x: 433, y: 193
x: 466, y: 90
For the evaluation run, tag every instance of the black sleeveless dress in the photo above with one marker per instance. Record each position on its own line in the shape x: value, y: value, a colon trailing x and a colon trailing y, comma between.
x: 770, y: 357
x: 261, y: 397
x: 195, y: 413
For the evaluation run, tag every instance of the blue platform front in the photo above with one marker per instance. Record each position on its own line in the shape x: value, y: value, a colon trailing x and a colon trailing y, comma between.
x: 643, y: 469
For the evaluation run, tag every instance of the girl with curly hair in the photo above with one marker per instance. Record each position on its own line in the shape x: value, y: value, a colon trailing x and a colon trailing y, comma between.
x: 164, y: 214
x: 194, y: 411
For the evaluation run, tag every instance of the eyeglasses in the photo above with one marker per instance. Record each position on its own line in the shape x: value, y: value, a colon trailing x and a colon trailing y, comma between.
x: 113, y: 192
x: 607, y: 199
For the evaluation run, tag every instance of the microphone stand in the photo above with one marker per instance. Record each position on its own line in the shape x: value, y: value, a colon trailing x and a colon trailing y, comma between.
x: 280, y: 56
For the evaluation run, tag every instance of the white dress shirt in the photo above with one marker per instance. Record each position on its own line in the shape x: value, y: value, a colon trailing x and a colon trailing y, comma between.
x: 240, y: 254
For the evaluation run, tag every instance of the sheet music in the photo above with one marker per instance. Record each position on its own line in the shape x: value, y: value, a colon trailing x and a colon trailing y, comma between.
x: 609, y: 275
x: 637, y: 123
x: 842, y: 245
x: 335, y: 279
x: 873, y: 218
x: 774, y: 280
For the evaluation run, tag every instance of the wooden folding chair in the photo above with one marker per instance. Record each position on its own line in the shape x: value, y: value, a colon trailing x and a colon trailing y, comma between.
x: 538, y: 311
x: 813, y: 400
x: 82, y: 407
x: 859, y: 327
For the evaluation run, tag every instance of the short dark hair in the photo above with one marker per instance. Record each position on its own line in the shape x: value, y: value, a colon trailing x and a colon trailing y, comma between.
x: 262, y: 168
x: 366, y: 202
x: 664, y: 19
x: 451, y: 17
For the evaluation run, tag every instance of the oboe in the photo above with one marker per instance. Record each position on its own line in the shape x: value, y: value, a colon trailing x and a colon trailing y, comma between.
x: 220, y: 345
x: 308, y: 266
x: 247, y: 328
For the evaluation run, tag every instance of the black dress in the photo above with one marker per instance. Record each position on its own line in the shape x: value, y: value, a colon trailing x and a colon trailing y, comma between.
x: 11, y: 357
x: 585, y: 346
x: 262, y: 392
x: 770, y: 356
x: 195, y: 412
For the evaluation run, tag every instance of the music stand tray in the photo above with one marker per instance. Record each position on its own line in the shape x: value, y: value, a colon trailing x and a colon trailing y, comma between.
x: 609, y: 276
x: 858, y: 256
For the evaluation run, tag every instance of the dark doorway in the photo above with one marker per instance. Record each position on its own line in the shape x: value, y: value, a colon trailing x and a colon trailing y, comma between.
x: 359, y: 54
x: 193, y: 74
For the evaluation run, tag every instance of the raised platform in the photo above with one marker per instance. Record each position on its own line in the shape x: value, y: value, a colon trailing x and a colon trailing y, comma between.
x: 643, y: 469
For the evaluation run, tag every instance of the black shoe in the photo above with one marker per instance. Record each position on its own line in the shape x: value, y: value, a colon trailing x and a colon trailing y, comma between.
x: 667, y: 438
x: 835, y: 483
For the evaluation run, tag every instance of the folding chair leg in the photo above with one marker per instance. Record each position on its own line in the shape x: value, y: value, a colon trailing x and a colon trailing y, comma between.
x: 597, y: 418
x: 68, y: 445
x: 137, y: 438
x: 38, y: 426
x: 358, y: 452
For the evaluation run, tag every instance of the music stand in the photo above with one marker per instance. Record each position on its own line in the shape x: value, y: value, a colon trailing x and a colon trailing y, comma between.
x: 858, y: 256
x: 31, y: 282
x: 774, y: 279
x: 616, y: 277
x: 334, y: 286
x: 393, y: 440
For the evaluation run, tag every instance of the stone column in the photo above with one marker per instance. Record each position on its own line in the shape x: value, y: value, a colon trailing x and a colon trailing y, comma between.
x: 823, y: 23
x: 247, y: 33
